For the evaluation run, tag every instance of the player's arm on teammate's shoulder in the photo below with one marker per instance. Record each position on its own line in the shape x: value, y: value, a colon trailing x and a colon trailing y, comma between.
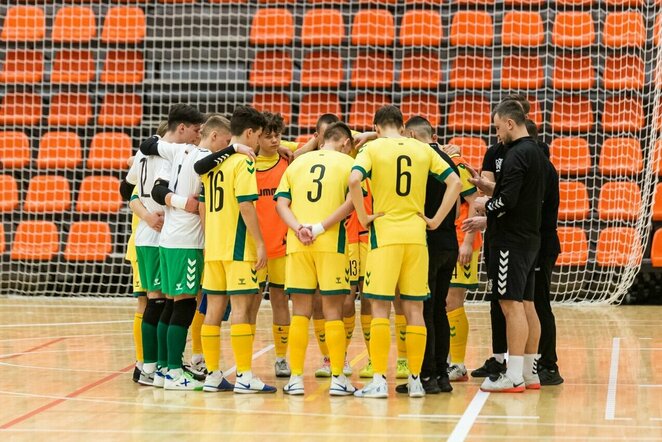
x: 153, y: 220
x: 150, y: 146
x: 209, y: 162
x: 308, y: 146
x: 513, y: 170
x: 249, y: 215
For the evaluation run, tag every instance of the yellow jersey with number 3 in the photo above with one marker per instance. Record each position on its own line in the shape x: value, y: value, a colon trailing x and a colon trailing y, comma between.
x: 398, y: 169
x: 228, y: 184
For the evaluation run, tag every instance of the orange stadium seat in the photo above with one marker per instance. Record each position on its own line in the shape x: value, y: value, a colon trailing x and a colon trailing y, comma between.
x: 20, y: 109
x: 73, y: 67
x: 3, y: 244
x: 99, y: 194
x: 471, y: 28
x: 271, y: 69
x: 274, y: 102
x: 656, y: 249
x: 420, y: 71
x: 123, y: 67
x: 59, y: 150
x: 473, y: 150
x: 8, y: 194
x: 572, y: 114
x: 523, y: 29
x: 24, y: 23
x: 535, y: 114
x: 522, y: 72
x: 623, y: 115
x: 124, y: 24
x: 323, y: 27
x: 657, y: 32
x: 35, y: 241
x: 624, y: 71
x: 571, y: 156
x: 421, y: 104
x: 22, y: 66
x: 373, y: 27
x: 574, y: 246
x: 615, y: 244
x: 121, y: 110
x: 322, y: 69
x: 109, y: 151
x: 372, y: 70
x: 469, y: 114
x: 658, y: 163
x: 471, y: 72
x: 272, y: 26
x: 363, y: 109
x: 573, y: 72
x: 315, y: 104
x: 573, y: 30
x: 624, y: 29
x: 573, y: 201
x: 575, y: 2
x: 303, y: 138
x: 74, y: 24
x: 621, y: 156
x: 619, y: 201
x: 14, y: 150
x: 421, y: 28
x: 47, y: 194
x: 88, y: 241
x: 70, y: 110
x: 657, y: 205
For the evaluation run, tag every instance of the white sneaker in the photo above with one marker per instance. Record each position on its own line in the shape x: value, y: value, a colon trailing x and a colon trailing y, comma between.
x: 215, y: 382
x: 198, y: 365
x: 347, y: 369
x: 378, y: 388
x: 502, y: 384
x: 146, y: 378
x: 294, y: 386
x: 532, y: 382
x: 246, y: 383
x: 341, y: 386
x: 414, y: 387
x: 282, y: 368
x: 325, y: 370
x: 159, y: 376
x: 457, y: 373
x: 181, y: 380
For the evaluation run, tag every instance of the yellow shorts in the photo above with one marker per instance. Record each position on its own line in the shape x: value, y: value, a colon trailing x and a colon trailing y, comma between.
x: 306, y: 271
x: 404, y: 266
x: 466, y: 276
x: 275, y: 269
x: 230, y: 278
x: 358, y: 254
x: 138, y: 289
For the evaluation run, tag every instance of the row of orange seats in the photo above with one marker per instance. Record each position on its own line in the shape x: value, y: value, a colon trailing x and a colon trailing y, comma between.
x: 423, y: 70
x: 532, y: 3
x: 376, y: 27
x: 74, y: 24
x: 71, y: 110
x: 64, y: 150
x: 52, y: 194
x: 465, y: 113
x: 656, y: 249
x: 614, y: 246
x: 619, y: 200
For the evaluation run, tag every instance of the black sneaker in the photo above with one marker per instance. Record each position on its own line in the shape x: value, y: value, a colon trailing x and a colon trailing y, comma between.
x: 197, y: 376
x: 549, y: 377
x: 444, y: 384
x: 430, y: 386
x: 136, y: 374
x: 490, y: 367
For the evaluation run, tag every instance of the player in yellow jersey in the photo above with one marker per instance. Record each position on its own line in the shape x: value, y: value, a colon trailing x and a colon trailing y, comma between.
x: 234, y: 251
x: 398, y: 168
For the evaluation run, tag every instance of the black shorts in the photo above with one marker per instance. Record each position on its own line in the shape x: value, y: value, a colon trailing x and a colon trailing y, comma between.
x: 511, y: 274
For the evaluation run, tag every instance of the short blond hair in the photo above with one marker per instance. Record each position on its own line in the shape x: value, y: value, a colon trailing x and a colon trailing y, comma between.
x: 215, y: 122
x: 162, y: 129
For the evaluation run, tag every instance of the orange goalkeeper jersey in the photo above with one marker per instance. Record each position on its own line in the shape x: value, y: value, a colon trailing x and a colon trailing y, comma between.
x: 274, y: 231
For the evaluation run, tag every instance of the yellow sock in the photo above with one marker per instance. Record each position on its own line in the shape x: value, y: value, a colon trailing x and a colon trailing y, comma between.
x: 349, y: 324
x: 280, y: 339
x: 365, y: 327
x: 298, y: 342
x: 320, y: 334
x: 380, y: 342
x: 253, y: 329
x: 210, y: 338
x: 415, y: 341
x: 459, y: 332
x: 336, y: 338
x: 400, y: 335
x: 138, y: 335
x: 196, y: 327
x: 241, y: 338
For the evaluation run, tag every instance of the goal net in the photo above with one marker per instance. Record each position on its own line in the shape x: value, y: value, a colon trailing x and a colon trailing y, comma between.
x: 82, y: 82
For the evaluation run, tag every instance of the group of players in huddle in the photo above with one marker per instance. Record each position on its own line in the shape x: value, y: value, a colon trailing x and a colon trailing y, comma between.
x: 224, y: 207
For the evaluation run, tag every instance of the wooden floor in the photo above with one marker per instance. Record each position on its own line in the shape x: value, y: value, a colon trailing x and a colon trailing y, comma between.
x: 65, y: 369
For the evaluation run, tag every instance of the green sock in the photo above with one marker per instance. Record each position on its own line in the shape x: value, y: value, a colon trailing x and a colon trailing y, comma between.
x: 176, y: 345
x: 150, y: 346
x: 162, y: 336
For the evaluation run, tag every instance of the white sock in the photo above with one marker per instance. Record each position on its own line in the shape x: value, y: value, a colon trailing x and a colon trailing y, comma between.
x: 149, y: 367
x: 530, y: 366
x: 196, y: 359
x: 515, y: 368
x: 500, y: 357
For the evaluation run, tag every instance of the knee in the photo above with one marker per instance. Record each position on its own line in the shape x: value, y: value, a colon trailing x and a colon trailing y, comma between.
x: 183, y: 312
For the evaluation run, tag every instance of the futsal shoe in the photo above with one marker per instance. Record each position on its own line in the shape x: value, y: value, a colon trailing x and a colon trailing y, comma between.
x: 402, y: 369
x: 146, y: 379
x: 136, y: 372
x: 216, y: 382
x: 282, y: 368
x: 457, y: 373
x: 159, y: 377
x: 490, y: 367
x: 198, y: 366
x: 246, y: 383
x: 325, y: 370
x: 377, y: 389
x: 194, y: 373
x: 549, y: 376
x: 532, y: 382
x: 502, y: 384
x: 341, y: 386
x: 415, y: 387
x: 347, y: 369
x: 444, y: 384
x: 181, y: 380
x: 367, y: 371
x: 294, y: 386
x: 430, y: 386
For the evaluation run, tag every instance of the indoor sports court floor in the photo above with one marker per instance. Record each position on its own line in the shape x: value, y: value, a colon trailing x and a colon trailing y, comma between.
x: 66, y: 364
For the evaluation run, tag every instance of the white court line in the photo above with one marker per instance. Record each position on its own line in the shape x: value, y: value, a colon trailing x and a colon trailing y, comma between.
x: 463, y: 427
x: 455, y: 416
x: 64, y: 324
x: 36, y: 367
x: 256, y: 355
x: 610, y: 406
